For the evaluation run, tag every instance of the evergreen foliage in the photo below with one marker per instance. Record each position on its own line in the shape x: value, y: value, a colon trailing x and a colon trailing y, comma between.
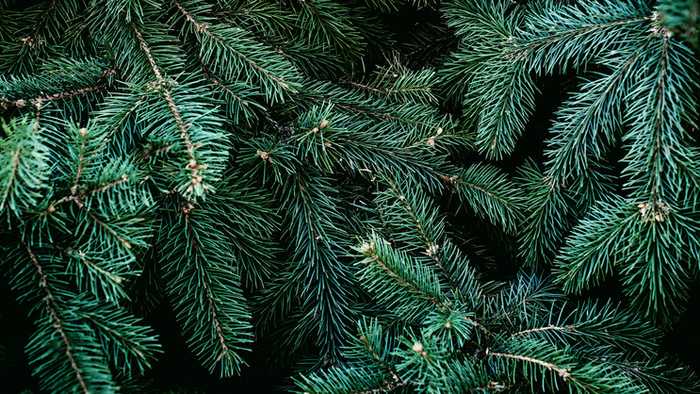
x: 436, y: 332
x: 216, y: 163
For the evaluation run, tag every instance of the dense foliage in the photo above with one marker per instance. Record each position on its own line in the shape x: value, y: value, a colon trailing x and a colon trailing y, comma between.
x: 369, y: 205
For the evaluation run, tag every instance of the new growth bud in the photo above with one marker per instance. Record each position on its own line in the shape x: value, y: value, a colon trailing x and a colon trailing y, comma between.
x: 417, y: 347
x: 367, y: 248
x: 263, y: 155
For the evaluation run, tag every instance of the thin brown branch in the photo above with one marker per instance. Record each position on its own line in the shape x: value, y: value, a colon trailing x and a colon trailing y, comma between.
x: 79, y: 197
x: 36, y: 101
x: 562, y: 372
x: 93, y: 265
x: 388, y: 368
x: 551, y: 327
x: 81, y: 159
x: 109, y: 185
x: 215, y: 318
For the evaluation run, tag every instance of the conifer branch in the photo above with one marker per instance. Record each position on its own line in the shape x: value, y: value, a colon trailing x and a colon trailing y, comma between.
x: 559, y: 36
x: 109, y: 185
x: 78, y: 196
x: 372, y: 257
x: 81, y: 158
x: 24, y: 167
x: 107, y: 227
x: 397, y: 381
x: 579, y: 125
x: 567, y: 328
x: 487, y: 191
x: 12, y: 176
x: 210, y: 300
x: 213, y: 313
x: 163, y: 87
x: 57, y: 323
x: 215, y: 39
x: 656, y: 159
x: 20, y: 103
x: 92, y: 265
x: 562, y: 372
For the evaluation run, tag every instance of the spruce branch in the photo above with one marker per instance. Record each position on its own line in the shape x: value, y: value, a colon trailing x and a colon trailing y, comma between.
x: 327, y: 24
x: 69, y: 81
x: 193, y: 165
x: 57, y: 323
x: 660, y: 109
x: 489, y: 194
x: 387, y: 274
x: 231, y: 52
x: 589, y: 121
x: 24, y: 169
x: 558, y: 36
x: 311, y: 214
x: 547, y: 222
x: 529, y: 337
x: 224, y: 157
x: 205, y: 289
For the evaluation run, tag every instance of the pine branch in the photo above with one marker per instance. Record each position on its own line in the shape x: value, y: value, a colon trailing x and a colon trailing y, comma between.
x: 588, y: 256
x: 548, y: 366
x: 397, y: 83
x: 40, y: 29
x: 504, y: 94
x: 592, y: 324
x: 643, y: 243
x: 589, y: 121
x: 415, y: 222
x: 326, y: 24
x: 131, y: 345
x: 407, y: 287
x: 525, y: 297
x: 232, y: 53
x: 546, y: 223
x: 334, y: 141
x: 489, y: 194
x: 172, y: 107
x: 57, y: 323
x: 659, y: 162
x: 66, y: 352
x: 520, y: 334
x: 69, y: 80
x: 242, y: 106
x: 205, y: 289
x: 312, y: 217
x: 558, y: 36
x: 24, y: 169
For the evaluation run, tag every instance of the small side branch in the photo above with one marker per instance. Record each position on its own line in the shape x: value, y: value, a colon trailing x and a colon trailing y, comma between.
x: 562, y: 372
x: 57, y: 323
x: 567, y: 328
x: 37, y: 101
x: 210, y: 302
x: 182, y: 126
